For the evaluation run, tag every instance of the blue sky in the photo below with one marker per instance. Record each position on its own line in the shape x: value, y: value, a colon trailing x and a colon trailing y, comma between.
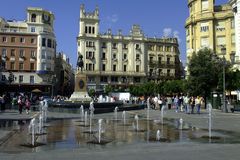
x: 156, y: 18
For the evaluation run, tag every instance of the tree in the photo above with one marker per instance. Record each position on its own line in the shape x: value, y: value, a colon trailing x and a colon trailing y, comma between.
x: 204, y: 71
x: 91, y: 92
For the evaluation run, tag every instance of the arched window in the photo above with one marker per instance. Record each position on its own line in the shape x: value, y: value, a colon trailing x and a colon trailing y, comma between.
x: 33, y: 18
x: 89, y: 29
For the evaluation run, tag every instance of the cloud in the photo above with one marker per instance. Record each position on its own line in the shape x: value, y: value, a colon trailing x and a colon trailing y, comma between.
x: 176, y: 34
x: 113, y: 18
x: 168, y: 32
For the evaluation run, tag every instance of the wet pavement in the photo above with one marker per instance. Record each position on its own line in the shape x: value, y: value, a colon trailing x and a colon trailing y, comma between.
x: 65, y: 138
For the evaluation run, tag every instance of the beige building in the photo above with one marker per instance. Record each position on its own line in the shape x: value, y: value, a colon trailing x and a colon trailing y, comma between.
x: 123, y: 60
x: 27, y: 50
x: 210, y: 26
x: 64, y: 75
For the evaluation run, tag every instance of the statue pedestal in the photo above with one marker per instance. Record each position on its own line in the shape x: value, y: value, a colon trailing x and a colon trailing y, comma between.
x: 80, y: 91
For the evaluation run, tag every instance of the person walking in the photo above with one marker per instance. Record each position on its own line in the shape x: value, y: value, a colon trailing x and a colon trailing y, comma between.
x: 20, y: 104
x: 198, y: 104
x: 28, y: 105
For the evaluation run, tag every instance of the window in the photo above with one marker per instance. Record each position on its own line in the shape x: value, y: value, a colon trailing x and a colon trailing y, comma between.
x: 168, y: 60
x: 33, y: 29
x: 33, y: 40
x: 20, y: 66
x: 151, y: 59
x: 114, y: 56
x: 13, y: 39
x: 89, y: 30
x: 33, y: 18
x: 168, y: 48
x: 33, y: 54
x: 43, y: 55
x: 103, y: 55
x: 12, y: 52
x: 125, y: 56
x: 114, y: 67
x: 221, y: 41
x: 4, y: 52
x: 20, y: 78
x: 204, y: 5
x: 43, y: 42
x: 124, y: 68
x: 91, y: 79
x: 114, y: 79
x: 12, y: 65
x: 21, y: 53
x: 103, y: 67
x: 151, y: 47
x: 49, y: 43
x: 159, y: 48
x: 137, y: 57
x: 114, y: 46
x: 93, y: 30
x: 22, y: 40
x: 159, y: 59
x: 204, y: 41
x: 137, y: 46
x: 31, y: 66
x: 188, y: 44
x: 86, y: 29
x: 125, y: 46
x: 220, y: 26
x: 104, y: 45
x: 44, y: 66
x: 89, y: 55
x: 137, y: 68
x: 31, y: 79
x: 204, y: 27
x: 168, y: 72
x: 104, y: 79
x: 4, y: 39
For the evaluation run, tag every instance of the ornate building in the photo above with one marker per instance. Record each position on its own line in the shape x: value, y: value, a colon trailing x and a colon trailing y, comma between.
x: 210, y: 26
x: 28, y: 50
x: 235, y: 7
x: 124, y: 60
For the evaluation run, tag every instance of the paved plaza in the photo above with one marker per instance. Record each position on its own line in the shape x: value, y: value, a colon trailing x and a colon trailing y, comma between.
x: 141, y: 151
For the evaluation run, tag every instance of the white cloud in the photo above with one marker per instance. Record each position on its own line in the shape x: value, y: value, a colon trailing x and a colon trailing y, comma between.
x: 168, y: 32
x: 113, y: 18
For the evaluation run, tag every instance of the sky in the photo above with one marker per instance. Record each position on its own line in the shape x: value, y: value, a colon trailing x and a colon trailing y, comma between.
x: 157, y: 18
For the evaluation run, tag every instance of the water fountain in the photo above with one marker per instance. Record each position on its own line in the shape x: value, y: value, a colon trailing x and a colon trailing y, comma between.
x: 91, y: 108
x: 180, y: 123
x: 158, y: 135
x: 148, y: 107
x: 124, y: 117
x: 82, y: 112
x: 40, y: 124
x: 99, y: 130
x: 85, y: 119
x: 136, y: 119
x: 162, y: 112
x: 209, y: 106
x: 116, y: 113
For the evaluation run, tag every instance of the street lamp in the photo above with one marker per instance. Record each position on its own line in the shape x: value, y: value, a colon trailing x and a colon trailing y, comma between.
x: 223, y: 52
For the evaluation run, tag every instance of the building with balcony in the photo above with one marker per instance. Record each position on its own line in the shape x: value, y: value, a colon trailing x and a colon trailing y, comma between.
x: 122, y: 60
x: 236, y: 7
x: 209, y: 26
x: 28, y: 49
x: 64, y: 75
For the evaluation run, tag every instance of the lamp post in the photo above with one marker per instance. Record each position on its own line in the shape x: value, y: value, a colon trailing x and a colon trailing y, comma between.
x: 223, y: 52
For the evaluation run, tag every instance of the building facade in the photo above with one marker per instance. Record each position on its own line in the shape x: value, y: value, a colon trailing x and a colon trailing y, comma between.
x: 28, y: 50
x: 64, y: 75
x: 122, y: 60
x: 210, y: 26
x: 236, y: 7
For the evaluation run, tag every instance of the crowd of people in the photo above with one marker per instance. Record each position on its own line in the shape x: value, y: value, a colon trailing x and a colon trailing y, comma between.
x: 187, y: 104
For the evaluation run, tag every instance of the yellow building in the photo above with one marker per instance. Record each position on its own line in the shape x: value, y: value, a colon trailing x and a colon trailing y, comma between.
x: 210, y: 26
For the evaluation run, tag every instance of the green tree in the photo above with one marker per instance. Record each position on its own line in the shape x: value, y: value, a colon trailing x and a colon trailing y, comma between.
x: 91, y: 92
x: 204, y: 71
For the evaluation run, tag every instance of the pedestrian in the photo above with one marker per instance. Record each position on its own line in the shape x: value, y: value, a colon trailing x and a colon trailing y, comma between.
x: 192, y: 103
x: 3, y: 103
x: 28, y: 105
x: 198, y: 104
x: 20, y: 104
